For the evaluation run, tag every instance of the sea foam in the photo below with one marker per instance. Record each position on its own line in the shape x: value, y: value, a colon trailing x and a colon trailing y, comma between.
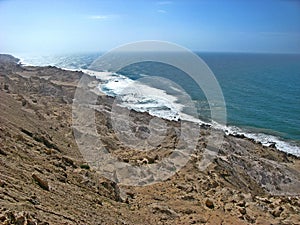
x: 143, y: 98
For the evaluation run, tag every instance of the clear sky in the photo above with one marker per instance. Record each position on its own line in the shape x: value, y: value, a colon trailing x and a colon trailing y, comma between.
x: 44, y: 26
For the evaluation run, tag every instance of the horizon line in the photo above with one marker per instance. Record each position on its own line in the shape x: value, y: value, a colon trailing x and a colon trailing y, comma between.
x: 105, y: 51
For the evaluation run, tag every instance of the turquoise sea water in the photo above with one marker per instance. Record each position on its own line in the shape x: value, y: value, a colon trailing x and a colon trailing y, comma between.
x: 261, y: 91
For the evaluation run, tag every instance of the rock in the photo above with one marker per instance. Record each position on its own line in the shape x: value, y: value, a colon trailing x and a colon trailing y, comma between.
x: 42, y: 139
x: 250, y: 219
x: 263, y: 199
x: 143, y: 161
x: 6, y: 87
x: 2, y: 152
x: 241, y: 204
x: 11, y: 217
x: 205, y: 126
x: 277, y: 211
x: 24, y: 102
x: 242, y: 211
x: 143, y: 132
x: 130, y: 194
x: 209, y: 203
x: 2, y: 218
x: 242, y: 136
x: 189, y: 211
x: 272, y: 145
x: 68, y: 162
x: 236, y: 198
x: 34, y: 200
x: 2, y: 183
x: 188, y: 198
x: 112, y: 187
x: 31, y: 222
x: 229, y: 206
x: 20, y: 220
x: 165, y: 210
x: 85, y: 166
x: 152, y: 160
x: 42, y: 183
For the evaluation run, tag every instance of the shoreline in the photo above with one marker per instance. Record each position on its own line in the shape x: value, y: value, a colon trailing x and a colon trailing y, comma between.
x: 262, y: 138
x: 281, y: 144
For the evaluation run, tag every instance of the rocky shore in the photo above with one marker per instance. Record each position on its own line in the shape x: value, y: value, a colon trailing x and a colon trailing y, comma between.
x: 45, y: 180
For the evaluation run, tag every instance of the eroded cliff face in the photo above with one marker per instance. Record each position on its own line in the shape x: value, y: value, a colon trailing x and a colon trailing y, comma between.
x: 45, y: 180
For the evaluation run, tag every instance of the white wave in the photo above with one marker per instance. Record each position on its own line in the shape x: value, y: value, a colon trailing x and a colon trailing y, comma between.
x: 33, y: 60
x: 25, y: 63
x: 138, y: 96
x: 141, y: 97
x: 264, y: 139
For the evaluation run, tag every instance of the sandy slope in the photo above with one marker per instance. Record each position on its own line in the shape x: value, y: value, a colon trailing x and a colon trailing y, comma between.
x: 45, y: 180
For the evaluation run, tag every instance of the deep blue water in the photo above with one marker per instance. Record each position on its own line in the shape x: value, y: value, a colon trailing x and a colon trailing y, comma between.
x: 262, y: 91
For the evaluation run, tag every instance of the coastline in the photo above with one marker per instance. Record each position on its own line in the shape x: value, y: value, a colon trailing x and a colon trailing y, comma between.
x: 264, y: 139
x: 288, y: 146
x: 244, y: 183
x: 233, y: 131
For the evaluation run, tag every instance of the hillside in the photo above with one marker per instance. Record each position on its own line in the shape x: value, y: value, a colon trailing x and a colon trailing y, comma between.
x: 45, y: 180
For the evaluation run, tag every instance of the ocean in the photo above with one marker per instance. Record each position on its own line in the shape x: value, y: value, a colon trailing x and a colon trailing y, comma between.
x: 261, y: 91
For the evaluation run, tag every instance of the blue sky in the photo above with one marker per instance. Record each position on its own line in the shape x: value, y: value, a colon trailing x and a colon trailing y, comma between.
x: 29, y: 26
